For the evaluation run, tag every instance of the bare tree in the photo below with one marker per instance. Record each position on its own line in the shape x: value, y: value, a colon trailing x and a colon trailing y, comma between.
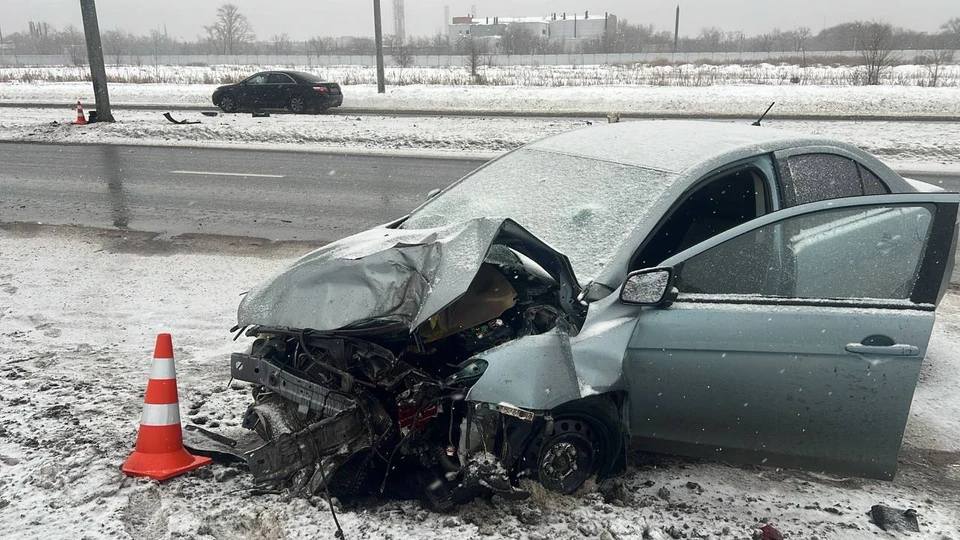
x: 876, y: 50
x: 116, y: 43
x: 475, y: 52
x: 156, y: 50
x: 800, y: 37
x: 75, y: 44
x: 710, y: 38
x: 935, y: 59
x: 518, y: 39
x: 231, y: 30
x: 764, y: 43
x: 281, y: 44
x: 439, y: 41
x: 952, y: 28
x: 402, y: 55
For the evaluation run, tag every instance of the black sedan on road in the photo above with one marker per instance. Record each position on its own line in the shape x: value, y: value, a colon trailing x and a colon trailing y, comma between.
x: 295, y: 91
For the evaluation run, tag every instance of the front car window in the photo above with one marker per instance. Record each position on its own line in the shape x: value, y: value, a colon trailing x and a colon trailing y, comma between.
x: 259, y: 78
x: 582, y: 207
x: 845, y: 253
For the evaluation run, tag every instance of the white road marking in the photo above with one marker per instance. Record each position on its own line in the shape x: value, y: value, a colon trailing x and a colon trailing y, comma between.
x: 208, y: 173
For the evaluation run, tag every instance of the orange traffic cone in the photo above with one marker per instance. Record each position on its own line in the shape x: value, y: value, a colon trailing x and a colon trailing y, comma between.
x: 81, y: 120
x: 160, y: 453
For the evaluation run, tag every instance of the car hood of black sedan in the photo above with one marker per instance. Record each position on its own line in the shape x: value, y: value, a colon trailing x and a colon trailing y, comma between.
x: 392, y: 275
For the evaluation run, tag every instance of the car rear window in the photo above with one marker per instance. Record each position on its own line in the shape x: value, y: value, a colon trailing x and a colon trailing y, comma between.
x: 308, y: 77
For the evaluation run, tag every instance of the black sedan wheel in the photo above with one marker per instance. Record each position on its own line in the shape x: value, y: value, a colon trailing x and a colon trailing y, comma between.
x: 297, y: 105
x: 228, y: 103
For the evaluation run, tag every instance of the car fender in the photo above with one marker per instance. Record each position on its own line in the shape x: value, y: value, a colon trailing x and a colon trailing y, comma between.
x: 542, y: 372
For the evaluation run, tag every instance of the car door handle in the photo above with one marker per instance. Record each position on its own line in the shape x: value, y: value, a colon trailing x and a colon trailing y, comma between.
x: 883, y: 350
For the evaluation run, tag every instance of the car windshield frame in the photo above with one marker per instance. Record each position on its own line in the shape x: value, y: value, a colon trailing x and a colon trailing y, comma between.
x: 581, y: 206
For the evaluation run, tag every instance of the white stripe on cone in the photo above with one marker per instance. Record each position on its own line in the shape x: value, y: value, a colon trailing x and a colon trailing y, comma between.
x: 160, y: 415
x: 163, y: 369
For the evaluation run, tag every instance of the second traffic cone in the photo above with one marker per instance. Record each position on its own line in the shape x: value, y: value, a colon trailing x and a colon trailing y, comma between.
x: 81, y: 120
x: 160, y: 453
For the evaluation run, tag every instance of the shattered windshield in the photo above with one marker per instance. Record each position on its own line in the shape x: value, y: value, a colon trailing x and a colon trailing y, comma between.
x: 584, y: 208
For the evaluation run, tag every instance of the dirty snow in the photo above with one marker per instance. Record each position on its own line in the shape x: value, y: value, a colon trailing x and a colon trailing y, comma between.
x: 79, y: 310
x: 913, y: 145
x: 729, y: 99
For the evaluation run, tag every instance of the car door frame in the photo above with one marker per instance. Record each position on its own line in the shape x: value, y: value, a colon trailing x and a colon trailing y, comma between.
x: 765, y: 163
x: 281, y: 92
x: 938, y: 259
x: 250, y: 96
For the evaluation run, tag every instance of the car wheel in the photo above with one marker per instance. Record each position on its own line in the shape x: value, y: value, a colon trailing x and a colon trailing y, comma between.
x: 563, y: 459
x: 297, y: 105
x: 228, y: 103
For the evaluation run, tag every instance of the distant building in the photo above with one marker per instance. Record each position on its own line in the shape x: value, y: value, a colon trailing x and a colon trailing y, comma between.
x: 567, y: 29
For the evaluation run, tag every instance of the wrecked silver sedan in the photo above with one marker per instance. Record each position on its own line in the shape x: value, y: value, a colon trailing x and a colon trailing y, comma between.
x: 703, y: 289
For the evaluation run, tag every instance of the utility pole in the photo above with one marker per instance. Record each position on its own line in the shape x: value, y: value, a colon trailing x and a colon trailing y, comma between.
x: 378, y: 31
x: 98, y: 70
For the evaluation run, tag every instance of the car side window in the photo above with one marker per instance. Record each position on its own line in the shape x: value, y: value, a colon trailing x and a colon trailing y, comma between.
x: 258, y: 79
x: 845, y: 253
x: 817, y: 177
x: 275, y: 78
x: 872, y: 185
x: 720, y: 204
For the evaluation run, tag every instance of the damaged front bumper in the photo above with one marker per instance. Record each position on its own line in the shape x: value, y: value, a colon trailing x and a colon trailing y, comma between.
x: 350, y: 427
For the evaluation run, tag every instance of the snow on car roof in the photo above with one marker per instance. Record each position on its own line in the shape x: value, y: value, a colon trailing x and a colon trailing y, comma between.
x: 673, y: 146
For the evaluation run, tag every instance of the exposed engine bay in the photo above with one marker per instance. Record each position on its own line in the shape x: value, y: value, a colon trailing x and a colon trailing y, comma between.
x: 378, y: 408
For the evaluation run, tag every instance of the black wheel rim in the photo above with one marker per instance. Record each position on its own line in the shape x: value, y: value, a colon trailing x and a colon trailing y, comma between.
x: 568, y: 456
x: 296, y: 105
x: 227, y: 103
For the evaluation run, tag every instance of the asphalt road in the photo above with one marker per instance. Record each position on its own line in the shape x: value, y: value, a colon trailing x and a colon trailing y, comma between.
x: 247, y: 193
x: 274, y: 195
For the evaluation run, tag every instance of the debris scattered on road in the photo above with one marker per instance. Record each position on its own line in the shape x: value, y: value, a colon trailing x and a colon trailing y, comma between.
x: 261, y: 115
x: 169, y: 117
x: 768, y: 532
x: 210, y: 113
x: 894, y: 519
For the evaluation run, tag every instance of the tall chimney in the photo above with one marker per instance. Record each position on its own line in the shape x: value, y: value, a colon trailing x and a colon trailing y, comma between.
x: 676, y: 30
x: 446, y: 20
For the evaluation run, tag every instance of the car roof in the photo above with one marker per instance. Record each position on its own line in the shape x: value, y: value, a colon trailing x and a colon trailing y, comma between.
x: 294, y: 73
x: 673, y: 146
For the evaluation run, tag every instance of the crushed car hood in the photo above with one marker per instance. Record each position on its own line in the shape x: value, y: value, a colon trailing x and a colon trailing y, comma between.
x: 391, y: 275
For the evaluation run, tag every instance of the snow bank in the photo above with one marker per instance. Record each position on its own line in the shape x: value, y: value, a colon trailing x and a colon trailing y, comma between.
x: 744, y: 100
x: 79, y: 311
x: 914, y: 145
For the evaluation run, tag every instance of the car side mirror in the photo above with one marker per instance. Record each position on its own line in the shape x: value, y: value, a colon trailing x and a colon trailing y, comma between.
x: 649, y: 287
x: 433, y: 193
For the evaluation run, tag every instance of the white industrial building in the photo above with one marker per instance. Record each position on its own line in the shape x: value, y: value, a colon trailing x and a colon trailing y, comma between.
x: 570, y: 29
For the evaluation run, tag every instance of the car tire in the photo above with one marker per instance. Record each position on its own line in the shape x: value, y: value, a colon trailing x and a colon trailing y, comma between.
x: 228, y: 103
x: 582, y: 441
x: 297, y: 105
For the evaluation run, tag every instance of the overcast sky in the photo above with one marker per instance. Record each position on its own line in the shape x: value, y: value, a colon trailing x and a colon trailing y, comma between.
x: 302, y: 19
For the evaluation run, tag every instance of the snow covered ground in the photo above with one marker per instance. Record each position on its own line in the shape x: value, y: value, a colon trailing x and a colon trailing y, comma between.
x: 907, y: 145
x: 731, y: 99
x: 79, y: 310
x: 658, y: 74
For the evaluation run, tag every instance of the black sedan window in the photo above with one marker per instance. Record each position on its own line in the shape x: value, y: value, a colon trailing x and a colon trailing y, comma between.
x: 259, y: 78
x: 279, y: 78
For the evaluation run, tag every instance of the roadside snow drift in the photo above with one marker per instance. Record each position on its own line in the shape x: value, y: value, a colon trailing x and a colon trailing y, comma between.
x: 79, y: 311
